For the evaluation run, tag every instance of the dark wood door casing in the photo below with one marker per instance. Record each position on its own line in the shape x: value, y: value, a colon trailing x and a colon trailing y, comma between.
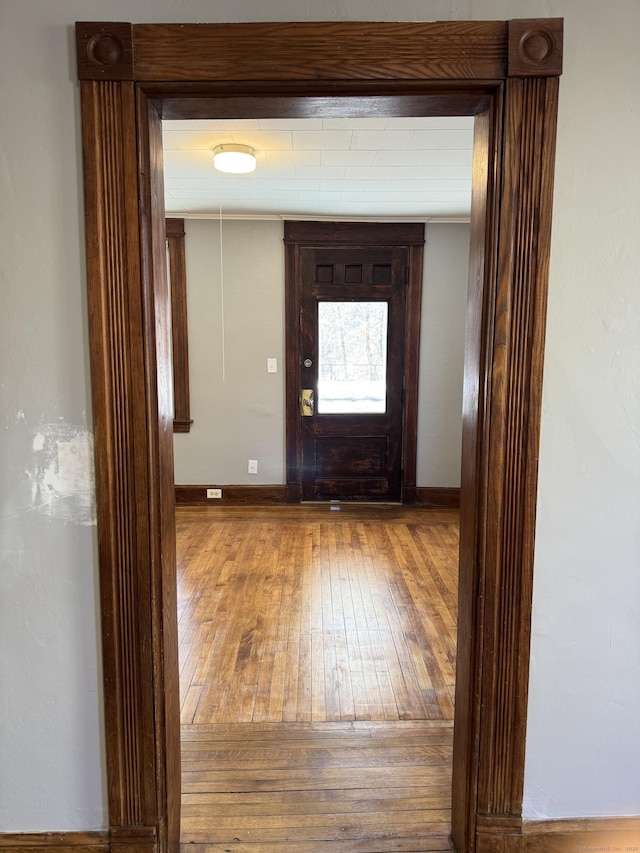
x: 353, y: 456
x: 392, y: 437
x: 504, y: 73
x: 129, y: 309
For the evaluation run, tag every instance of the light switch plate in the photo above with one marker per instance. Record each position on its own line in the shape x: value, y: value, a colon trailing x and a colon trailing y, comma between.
x: 272, y: 365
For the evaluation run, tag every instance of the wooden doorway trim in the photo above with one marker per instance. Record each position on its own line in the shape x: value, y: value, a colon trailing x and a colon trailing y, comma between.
x: 506, y: 74
x: 302, y: 234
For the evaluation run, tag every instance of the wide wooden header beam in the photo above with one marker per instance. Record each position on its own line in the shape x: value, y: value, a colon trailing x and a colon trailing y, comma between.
x: 467, y: 50
x: 133, y: 76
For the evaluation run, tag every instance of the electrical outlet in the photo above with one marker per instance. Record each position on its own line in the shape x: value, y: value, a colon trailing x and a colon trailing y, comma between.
x: 253, y: 466
x: 214, y: 493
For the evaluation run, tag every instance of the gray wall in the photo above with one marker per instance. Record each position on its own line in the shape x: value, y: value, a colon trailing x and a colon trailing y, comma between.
x: 444, y: 310
x: 583, y: 744
x: 238, y: 408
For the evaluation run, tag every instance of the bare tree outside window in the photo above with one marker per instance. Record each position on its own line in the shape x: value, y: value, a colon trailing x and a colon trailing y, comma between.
x: 352, y: 357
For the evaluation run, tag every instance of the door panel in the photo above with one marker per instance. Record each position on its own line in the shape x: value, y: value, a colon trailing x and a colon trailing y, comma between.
x: 356, y: 439
x: 352, y: 456
x: 352, y: 328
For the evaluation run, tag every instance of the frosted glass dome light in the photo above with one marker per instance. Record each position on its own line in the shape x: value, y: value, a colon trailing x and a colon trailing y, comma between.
x: 237, y: 159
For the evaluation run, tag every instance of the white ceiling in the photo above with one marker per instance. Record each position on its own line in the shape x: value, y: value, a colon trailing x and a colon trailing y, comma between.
x: 377, y: 168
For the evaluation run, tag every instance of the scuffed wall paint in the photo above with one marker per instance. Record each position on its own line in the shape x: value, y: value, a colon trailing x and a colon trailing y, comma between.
x: 49, y: 620
x: 58, y: 474
x: 62, y: 480
x: 584, y: 700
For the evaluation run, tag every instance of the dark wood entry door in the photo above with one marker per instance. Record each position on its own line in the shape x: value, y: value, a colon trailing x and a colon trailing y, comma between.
x: 350, y: 366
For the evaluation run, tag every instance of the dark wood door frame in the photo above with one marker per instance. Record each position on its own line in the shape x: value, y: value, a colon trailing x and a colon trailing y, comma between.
x: 504, y: 73
x: 299, y: 234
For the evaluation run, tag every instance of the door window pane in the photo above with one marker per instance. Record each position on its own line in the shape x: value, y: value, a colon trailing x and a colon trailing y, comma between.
x: 352, y: 361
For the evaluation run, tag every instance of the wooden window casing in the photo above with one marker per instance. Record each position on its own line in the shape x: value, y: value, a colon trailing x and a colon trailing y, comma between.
x: 179, y: 329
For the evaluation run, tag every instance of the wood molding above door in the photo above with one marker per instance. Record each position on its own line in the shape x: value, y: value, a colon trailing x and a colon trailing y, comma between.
x: 506, y: 75
x: 301, y: 237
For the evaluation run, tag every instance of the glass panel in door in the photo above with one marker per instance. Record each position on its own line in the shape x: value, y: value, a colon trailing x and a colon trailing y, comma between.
x: 352, y: 357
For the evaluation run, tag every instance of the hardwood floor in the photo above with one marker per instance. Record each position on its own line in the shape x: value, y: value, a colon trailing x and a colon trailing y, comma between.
x: 309, y: 787
x: 317, y: 651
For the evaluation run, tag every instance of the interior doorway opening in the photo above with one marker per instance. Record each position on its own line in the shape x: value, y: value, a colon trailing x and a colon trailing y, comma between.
x: 507, y: 75
x: 358, y: 651
x: 342, y: 183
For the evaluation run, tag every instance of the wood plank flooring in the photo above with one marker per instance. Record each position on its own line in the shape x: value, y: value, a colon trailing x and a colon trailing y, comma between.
x: 317, y: 651
x: 316, y: 615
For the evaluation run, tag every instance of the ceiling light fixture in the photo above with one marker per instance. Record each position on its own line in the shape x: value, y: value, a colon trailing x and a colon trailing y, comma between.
x: 236, y: 159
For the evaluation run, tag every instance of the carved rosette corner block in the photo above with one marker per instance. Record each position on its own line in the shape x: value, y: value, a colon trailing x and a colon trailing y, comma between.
x: 105, y: 51
x: 535, y: 47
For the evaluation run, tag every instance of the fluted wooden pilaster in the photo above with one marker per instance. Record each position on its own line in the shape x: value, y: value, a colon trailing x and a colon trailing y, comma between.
x: 506, y: 75
x: 121, y: 306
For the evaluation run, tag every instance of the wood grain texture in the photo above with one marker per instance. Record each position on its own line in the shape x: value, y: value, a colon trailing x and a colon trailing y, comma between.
x: 174, y: 227
x: 301, y: 240
x: 104, y: 51
x: 317, y: 787
x: 188, y: 495
x: 535, y: 47
x: 412, y: 372
x: 499, y: 834
x: 312, y: 51
x: 179, y: 327
x: 294, y: 614
x: 254, y: 583
x: 128, y: 306
x: 156, y: 303
x: 530, y: 118
x: 321, y: 99
x: 354, y: 233
x: 498, y: 492
x: 510, y: 834
x: 117, y: 365
x: 479, y: 336
x: 141, y: 839
x: 430, y: 496
x: 567, y: 836
x: 353, y: 456
x: 55, y: 842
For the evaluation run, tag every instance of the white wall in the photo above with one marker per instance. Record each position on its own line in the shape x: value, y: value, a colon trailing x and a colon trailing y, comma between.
x: 583, y: 738
x: 238, y: 408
